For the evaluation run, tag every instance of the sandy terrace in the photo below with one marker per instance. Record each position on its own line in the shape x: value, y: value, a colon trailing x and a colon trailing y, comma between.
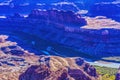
x: 101, y: 22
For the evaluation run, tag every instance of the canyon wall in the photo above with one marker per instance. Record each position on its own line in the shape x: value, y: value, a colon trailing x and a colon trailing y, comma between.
x: 94, y: 42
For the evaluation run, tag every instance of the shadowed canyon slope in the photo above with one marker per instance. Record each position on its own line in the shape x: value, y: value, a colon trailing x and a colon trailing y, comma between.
x: 74, y: 31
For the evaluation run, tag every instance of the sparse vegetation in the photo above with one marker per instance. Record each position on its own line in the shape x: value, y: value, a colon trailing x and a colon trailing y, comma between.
x: 106, y: 73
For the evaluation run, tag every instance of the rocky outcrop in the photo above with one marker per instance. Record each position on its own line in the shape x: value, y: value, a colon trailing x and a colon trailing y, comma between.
x: 118, y: 75
x: 3, y: 38
x: 60, y: 17
x: 14, y: 59
x: 58, y: 68
x: 19, y: 64
x: 9, y: 47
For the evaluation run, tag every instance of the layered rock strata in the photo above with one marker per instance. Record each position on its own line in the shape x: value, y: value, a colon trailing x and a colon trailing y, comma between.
x: 57, y: 68
x: 58, y: 17
x: 99, y: 37
x: 13, y: 59
x: 19, y: 64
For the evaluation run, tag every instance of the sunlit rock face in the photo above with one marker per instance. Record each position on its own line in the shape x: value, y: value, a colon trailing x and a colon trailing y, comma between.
x: 58, y: 68
x: 10, y: 48
x: 28, y: 66
x: 109, y: 9
x: 13, y: 59
x: 58, y: 17
x: 101, y: 22
x: 118, y: 75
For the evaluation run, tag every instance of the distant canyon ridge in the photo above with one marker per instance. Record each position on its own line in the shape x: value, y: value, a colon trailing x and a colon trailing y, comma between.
x: 89, y: 36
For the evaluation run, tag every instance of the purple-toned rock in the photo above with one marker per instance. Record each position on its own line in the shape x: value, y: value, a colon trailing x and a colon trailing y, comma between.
x: 118, y: 75
x: 90, y: 70
x: 59, y: 17
x: 59, y: 69
x: 36, y: 73
x: 78, y: 74
x: 79, y: 61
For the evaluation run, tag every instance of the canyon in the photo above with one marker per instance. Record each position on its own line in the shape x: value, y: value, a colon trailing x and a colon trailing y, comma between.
x: 91, y: 36
x: 59, y: 40
x: 19, y: 64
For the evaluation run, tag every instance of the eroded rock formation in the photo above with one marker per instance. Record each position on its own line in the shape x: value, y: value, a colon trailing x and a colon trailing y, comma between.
x: 14, y: 59
x: 15, y: 65
x: 58, y: 68
x: 60, y: 17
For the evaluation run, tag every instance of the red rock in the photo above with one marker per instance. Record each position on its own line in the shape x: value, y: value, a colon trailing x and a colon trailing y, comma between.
x: 59, y: 69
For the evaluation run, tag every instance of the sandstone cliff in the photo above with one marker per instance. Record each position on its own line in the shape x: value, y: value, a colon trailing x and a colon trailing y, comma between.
x: 58, y: 68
